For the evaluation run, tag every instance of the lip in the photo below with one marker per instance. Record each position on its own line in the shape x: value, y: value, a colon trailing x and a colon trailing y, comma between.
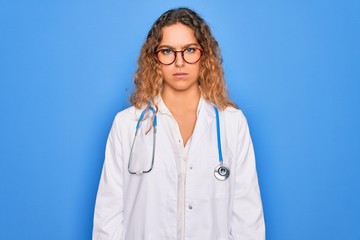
x: 180, y: 75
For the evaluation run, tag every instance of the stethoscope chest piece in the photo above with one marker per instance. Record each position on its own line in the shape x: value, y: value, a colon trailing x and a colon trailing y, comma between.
x: 221, y: 172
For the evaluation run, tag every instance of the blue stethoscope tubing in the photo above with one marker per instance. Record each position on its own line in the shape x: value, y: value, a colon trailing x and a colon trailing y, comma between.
x: 142, y: 115
x: 218, y: 135
x: 221, y: 171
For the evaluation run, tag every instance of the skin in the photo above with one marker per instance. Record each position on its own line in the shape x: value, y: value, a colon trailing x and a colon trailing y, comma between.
x: 180, y: 91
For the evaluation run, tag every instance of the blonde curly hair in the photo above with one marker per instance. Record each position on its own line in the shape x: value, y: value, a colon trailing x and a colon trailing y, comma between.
x: 148, y: 78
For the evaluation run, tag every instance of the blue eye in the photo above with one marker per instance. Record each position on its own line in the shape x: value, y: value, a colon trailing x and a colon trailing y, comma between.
x: 190, y: 50
x: 166, y: 51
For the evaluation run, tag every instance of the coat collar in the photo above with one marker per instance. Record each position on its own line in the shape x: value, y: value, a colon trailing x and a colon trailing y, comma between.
x: 204, y: 107
x: 205, y: 117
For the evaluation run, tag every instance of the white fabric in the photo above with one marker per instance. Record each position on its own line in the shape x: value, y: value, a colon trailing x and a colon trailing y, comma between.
x: 181, y: 156
x: 184, y: 151
x: 132, y: 207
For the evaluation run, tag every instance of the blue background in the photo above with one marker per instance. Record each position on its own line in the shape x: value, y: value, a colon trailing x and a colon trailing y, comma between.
x: 292, y: 66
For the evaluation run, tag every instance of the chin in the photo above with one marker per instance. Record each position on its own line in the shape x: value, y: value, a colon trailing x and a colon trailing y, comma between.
x: 182, y: 85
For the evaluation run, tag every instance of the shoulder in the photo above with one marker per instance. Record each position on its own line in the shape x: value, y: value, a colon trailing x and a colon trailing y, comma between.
x: 232, y: 117
x: 234, y: 113
x: 127, y: 116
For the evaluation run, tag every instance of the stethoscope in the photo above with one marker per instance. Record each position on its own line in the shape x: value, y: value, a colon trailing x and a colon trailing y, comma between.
x: 221, y: 171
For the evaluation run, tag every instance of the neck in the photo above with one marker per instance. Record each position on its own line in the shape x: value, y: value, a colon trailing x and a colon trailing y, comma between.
x: 181, y: 101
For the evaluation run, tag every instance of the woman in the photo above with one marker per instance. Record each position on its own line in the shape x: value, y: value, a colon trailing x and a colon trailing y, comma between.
x: 161, y: 184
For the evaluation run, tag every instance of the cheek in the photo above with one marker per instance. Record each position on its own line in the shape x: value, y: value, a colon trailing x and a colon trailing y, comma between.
x: 196, y: 69
x: 164, y: 70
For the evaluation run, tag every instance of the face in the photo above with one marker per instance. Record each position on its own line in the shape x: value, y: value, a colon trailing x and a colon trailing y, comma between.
x: 179, y: 75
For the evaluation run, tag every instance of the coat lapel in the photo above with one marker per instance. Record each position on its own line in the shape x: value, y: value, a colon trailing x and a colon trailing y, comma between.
x: 206, y: 116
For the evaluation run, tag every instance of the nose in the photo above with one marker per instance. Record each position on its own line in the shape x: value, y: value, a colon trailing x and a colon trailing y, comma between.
x: 179, y: 60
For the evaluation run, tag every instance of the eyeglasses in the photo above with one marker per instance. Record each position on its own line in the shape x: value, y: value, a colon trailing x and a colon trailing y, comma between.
x: 190, y: 55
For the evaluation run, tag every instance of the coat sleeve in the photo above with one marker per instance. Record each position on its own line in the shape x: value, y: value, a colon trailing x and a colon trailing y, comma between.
x: 108, y: 215
x: 247, y: 219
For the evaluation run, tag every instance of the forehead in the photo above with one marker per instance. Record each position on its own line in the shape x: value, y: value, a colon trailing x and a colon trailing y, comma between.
x: 177, y: 35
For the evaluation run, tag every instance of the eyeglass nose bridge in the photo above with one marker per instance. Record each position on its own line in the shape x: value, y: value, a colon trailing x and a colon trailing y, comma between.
x: 182, y: 55
x: 175, y: 56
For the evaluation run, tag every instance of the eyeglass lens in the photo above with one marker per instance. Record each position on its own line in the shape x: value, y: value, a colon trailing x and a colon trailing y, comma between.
x: 168, y: 56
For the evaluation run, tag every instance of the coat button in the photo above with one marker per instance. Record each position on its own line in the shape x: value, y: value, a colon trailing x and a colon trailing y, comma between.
x: 190, y: 207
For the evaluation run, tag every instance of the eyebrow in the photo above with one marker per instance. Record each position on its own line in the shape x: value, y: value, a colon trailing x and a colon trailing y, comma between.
x: 185, y: 46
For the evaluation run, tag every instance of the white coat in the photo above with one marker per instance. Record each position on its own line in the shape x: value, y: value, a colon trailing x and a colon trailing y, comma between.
x: 132, y: 207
